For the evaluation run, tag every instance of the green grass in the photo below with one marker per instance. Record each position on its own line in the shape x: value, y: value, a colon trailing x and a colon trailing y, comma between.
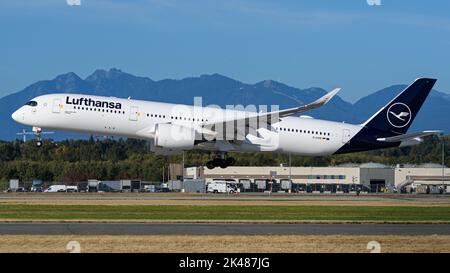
x: 171, y: 212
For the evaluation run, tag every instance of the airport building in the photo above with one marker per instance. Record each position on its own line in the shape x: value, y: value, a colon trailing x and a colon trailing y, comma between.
x: 372, y: 177
x: 346, y: 178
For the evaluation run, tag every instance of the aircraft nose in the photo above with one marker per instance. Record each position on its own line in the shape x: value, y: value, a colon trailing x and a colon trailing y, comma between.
x: 16, y: 115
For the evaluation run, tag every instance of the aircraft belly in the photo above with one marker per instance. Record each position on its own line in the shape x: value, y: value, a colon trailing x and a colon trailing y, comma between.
x: 101, y: 124
x: 308, y: 145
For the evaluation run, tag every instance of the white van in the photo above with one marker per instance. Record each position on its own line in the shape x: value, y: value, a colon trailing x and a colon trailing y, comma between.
x: 221, y: 187
x: 56, y: 188
x: 71, y: 188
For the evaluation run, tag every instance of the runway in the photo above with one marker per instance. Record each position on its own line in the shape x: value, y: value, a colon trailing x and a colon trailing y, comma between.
x: 219, y: 229
x: 239, y: 197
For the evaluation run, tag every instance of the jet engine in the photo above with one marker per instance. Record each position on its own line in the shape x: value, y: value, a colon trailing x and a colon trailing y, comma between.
x: 173, y: 136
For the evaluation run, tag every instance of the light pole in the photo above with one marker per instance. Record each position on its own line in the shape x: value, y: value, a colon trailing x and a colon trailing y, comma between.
x: 163, y: 173
x: 290, y: 165
x: 443, y: 164
x: 182, y: 171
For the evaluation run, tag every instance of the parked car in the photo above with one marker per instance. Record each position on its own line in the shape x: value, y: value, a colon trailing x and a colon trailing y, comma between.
x: 56, y: 188
x: 71, y: 188
x: 19, y: 189
x: 221, y: 187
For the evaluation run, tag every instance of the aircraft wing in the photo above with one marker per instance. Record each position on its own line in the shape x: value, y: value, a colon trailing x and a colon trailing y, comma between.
x: 410, y: 136
x: 253, y: 118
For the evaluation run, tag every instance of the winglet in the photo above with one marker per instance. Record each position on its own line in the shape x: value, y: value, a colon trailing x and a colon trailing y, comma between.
x: 326, y: 98
x: 315, y: 104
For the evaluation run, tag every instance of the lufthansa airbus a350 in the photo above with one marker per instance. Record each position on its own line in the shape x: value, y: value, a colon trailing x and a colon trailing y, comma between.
x: 172, y: 128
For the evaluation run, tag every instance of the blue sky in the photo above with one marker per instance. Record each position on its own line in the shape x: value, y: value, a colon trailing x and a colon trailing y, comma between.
x: 349, y: 44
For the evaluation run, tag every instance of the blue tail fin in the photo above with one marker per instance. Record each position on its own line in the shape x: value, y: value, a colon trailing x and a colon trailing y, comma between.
x: 392, y: 120
x: 397, y: 115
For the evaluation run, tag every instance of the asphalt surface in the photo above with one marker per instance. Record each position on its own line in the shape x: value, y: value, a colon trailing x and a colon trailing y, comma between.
x: 219, y: 229
x: 242, y: 196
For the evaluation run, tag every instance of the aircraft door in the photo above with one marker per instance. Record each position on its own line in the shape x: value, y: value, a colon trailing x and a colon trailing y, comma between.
x: 134, y: 113
x: 346, y: 135
x: 57, y: 106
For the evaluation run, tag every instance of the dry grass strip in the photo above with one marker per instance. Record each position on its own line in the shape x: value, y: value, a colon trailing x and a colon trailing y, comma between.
x: 225, y: 243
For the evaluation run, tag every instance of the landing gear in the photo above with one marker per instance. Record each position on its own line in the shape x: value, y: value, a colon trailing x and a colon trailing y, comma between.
x: 222, y: 162
x: 38, y: 132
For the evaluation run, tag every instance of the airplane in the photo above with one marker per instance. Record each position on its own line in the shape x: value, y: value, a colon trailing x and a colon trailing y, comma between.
x: 174, y: 128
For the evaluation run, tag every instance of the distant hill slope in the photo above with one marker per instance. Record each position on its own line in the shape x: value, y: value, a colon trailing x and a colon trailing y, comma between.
x: 219, y: 90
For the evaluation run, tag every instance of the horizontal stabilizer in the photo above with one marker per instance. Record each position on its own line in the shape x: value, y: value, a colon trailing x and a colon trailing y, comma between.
x: 409, y: 136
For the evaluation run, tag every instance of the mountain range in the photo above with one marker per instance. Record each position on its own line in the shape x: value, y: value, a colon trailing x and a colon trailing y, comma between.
x: 219, y: 90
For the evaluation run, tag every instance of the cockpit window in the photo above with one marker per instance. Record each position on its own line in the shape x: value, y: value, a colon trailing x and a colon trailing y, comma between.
x: 31, y: 103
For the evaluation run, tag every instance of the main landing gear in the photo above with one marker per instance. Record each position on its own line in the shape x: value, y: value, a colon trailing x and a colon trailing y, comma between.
x: 222, y: 162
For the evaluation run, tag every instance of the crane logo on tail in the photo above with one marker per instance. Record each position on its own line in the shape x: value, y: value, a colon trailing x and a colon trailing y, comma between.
x: 399, y: 115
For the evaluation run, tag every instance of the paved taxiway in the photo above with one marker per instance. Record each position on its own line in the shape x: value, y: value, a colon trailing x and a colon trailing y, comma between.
x: 242, y: 196
x: 219, y: 229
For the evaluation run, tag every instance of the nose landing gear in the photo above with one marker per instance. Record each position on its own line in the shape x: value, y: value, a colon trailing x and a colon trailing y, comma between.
x: 221, y: 162
x: 37, y: 131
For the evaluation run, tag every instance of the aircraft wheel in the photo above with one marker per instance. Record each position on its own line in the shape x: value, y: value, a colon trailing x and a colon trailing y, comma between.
x: 230, y: 161
x: 217, y: 162
x: 223, y: 164
x: 210, y: 165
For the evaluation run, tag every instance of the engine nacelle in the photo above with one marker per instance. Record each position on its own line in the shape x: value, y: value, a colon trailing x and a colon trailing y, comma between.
x: 173, y: 136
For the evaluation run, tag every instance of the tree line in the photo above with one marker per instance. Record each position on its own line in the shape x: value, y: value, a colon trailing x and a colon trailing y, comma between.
x: 107, y: 159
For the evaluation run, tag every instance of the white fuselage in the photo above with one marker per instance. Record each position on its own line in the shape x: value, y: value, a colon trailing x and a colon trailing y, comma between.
x: 137, y: 119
